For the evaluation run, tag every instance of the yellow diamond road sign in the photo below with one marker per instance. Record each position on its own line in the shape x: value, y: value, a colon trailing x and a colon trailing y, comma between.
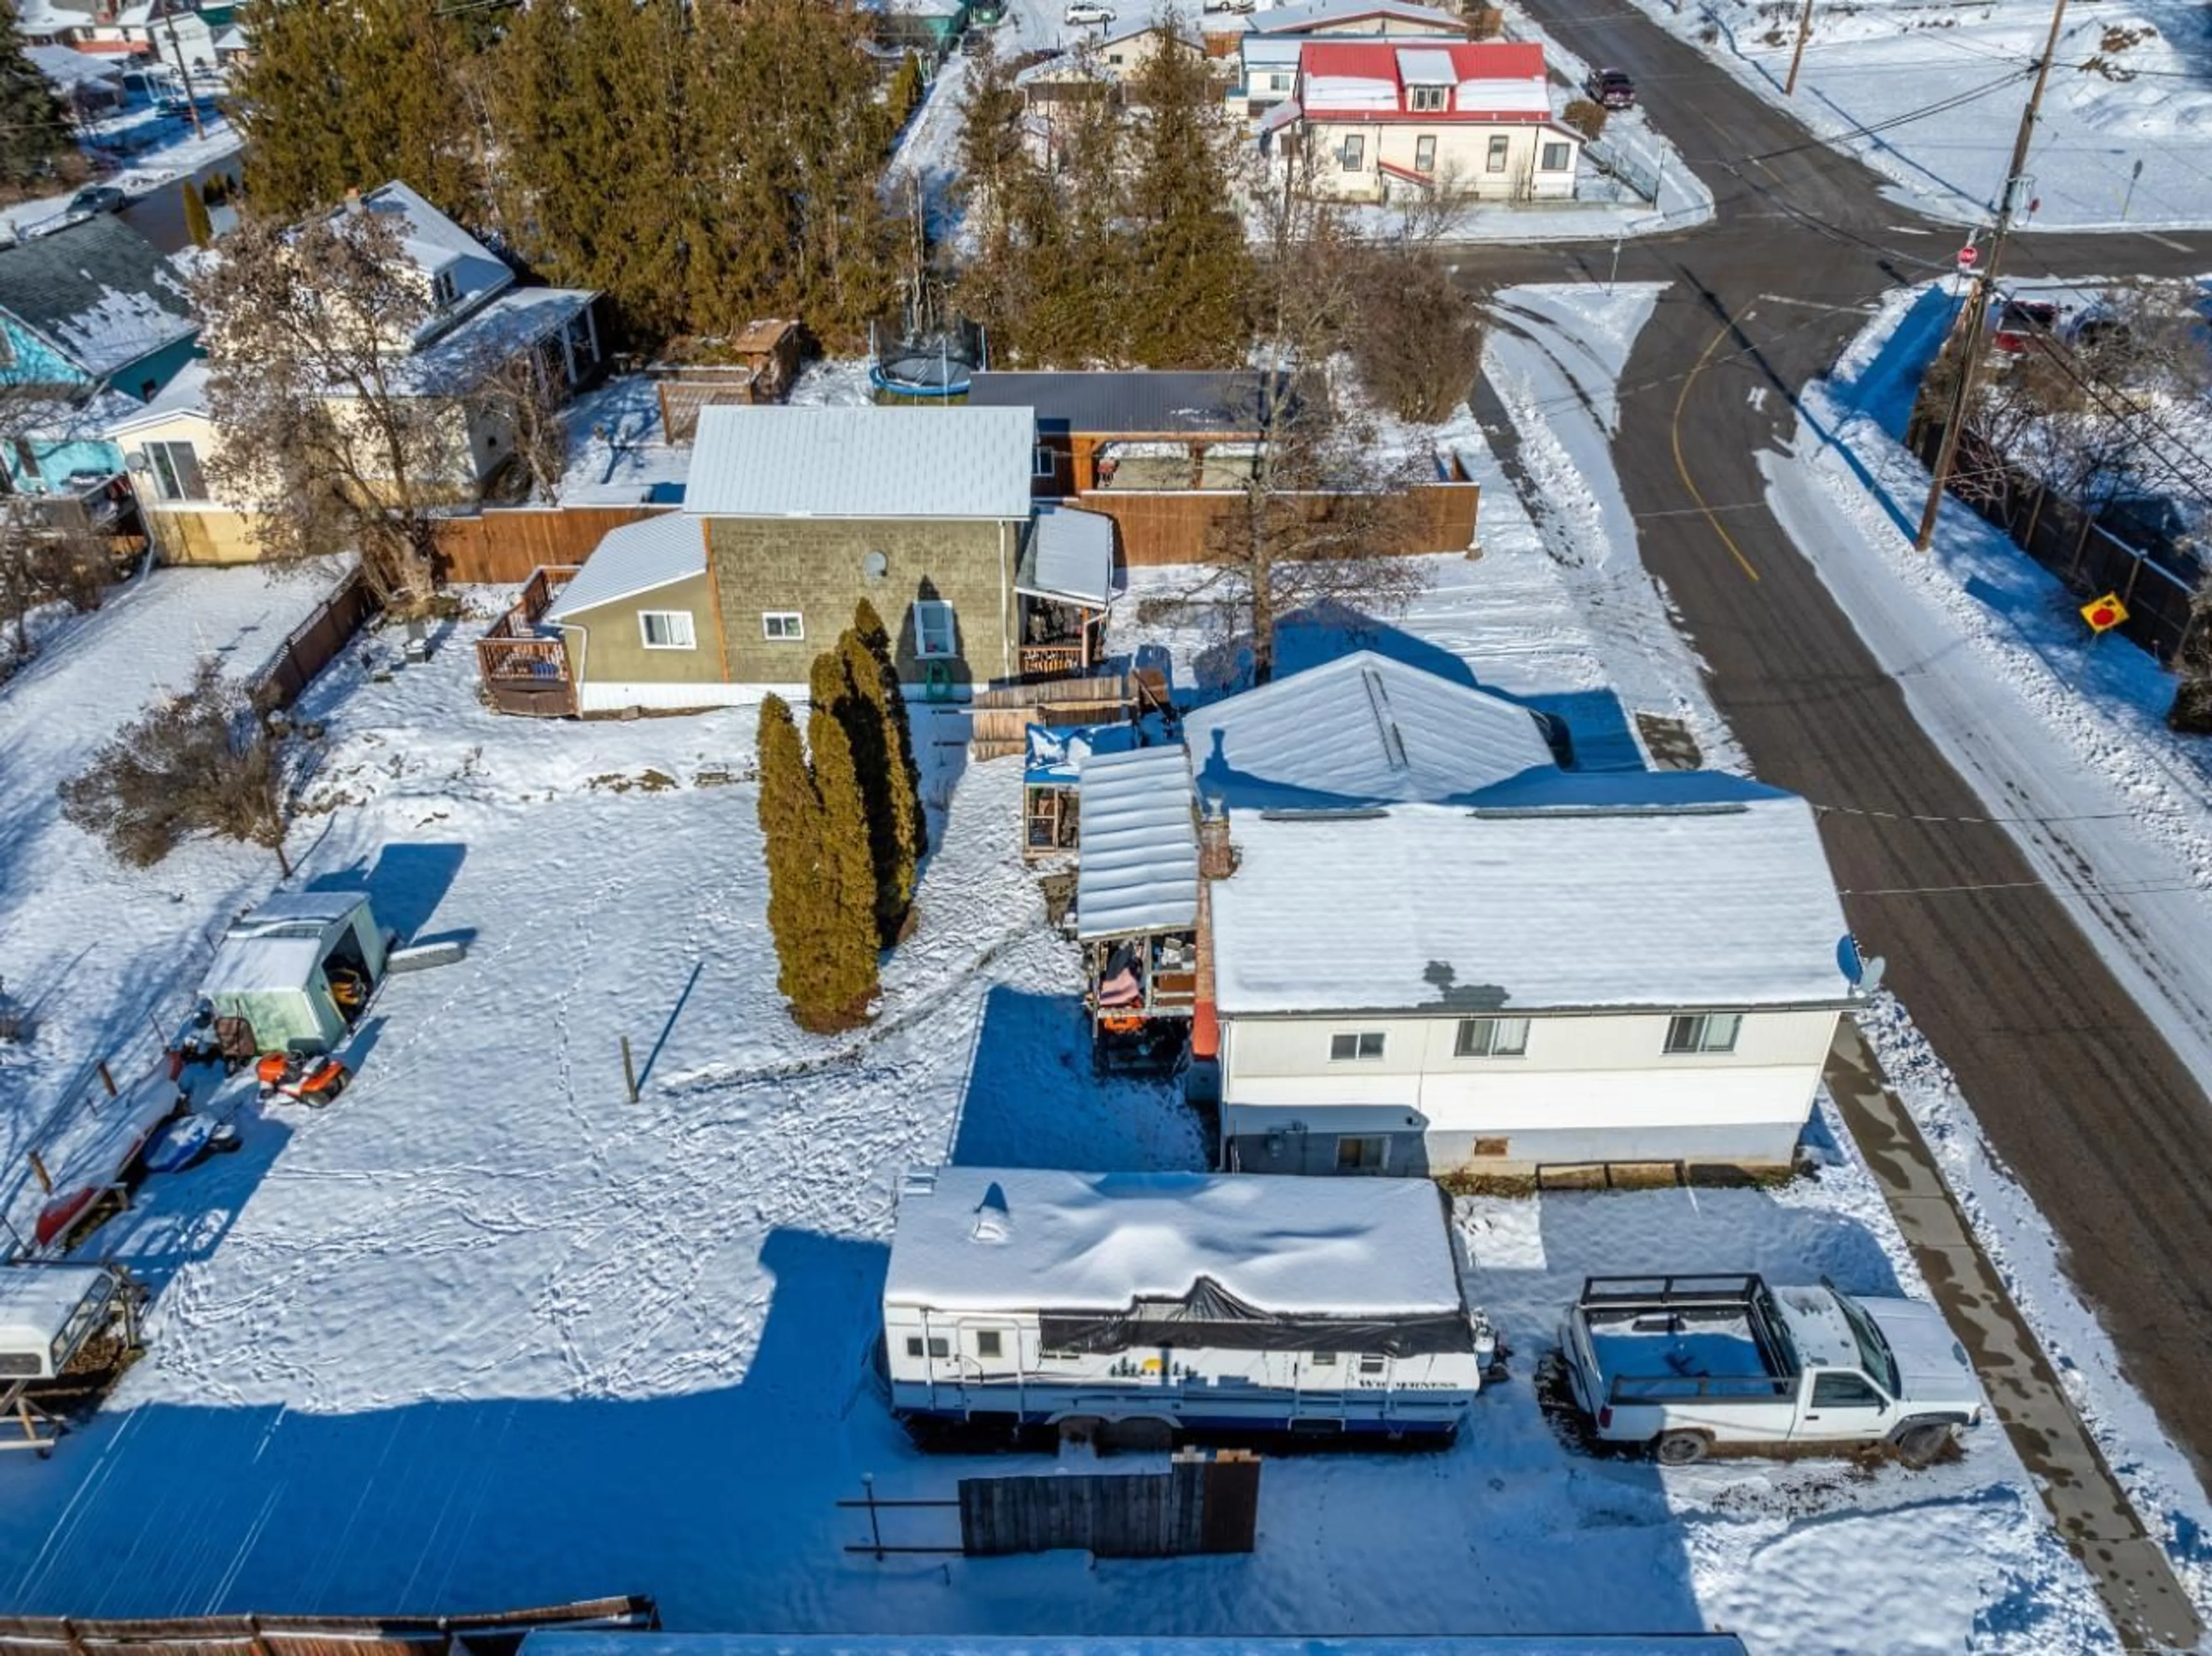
x: 2105, y: 614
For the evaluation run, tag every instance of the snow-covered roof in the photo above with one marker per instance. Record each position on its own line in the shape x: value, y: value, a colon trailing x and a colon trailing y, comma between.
x: 1128, y: 403
x: 186, y: 393
x: 279, y: 945
x: 68, y: 68
x: 460, y: 358
x: 234, y: 38
x: 1330, y: 14
x: 1360, y: 729
x: 1137, y: 864
x: 1069, y: 554
x: 433, y: 243
x: 637, y: 558
x: 982, y: 1239
x: 99, y: 292
x: 1490, y: 80
x: 861, y: 462
x: 1057, y: 753
x: 36, y: 1302
x: 1662, y: 890
x: 554, y: 1642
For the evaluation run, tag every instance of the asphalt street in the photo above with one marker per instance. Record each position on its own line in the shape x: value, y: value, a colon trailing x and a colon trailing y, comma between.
x: 2077, y: 1091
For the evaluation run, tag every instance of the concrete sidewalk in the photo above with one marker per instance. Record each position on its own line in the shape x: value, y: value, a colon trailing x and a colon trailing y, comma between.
x: 2141, y: 1593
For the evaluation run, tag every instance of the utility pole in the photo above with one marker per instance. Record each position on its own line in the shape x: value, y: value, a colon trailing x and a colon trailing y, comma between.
x: 1984, y: 279
x: 191, y: 103
x: 1804, y: 33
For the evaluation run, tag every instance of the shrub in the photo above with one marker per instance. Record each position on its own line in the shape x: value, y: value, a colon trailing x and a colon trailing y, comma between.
x: 1416, y: 339
x: 1585, y: 117
x: 198, y: 763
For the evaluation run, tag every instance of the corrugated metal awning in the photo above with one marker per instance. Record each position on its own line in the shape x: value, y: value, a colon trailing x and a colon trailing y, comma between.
x: 1137, y: 868
x: 1069, y: 555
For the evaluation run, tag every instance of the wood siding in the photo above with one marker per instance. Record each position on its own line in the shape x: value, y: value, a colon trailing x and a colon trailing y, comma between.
x: 1173, y: 525
x: 501, y: 545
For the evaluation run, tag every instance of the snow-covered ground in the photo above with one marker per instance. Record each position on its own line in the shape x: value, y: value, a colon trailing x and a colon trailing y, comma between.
x: 2065, y: 738
x: 1929, y: 93
x: 484, y: 1332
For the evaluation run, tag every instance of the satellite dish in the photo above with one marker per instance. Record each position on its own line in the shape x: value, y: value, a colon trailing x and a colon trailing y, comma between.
x: 1863, y: 971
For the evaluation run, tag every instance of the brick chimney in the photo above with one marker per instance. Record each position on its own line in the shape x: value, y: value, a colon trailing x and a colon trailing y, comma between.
x: 1217, y: 857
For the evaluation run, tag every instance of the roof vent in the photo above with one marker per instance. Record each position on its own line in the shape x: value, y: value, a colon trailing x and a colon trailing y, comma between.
x: 995, y: 1222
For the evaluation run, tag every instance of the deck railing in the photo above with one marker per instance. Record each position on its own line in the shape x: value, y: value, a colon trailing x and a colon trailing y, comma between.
x: 523, y: 672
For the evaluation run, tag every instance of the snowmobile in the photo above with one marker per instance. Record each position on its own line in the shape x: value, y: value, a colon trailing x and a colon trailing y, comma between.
x: 309, y: 1079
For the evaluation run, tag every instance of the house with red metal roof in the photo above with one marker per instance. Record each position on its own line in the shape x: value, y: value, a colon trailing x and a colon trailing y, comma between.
x: 1375, y: 119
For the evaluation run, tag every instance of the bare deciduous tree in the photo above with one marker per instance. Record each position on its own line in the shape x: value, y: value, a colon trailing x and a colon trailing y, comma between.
x: 1324, y: 507
x: 331, y: 437
x: 524, y: 394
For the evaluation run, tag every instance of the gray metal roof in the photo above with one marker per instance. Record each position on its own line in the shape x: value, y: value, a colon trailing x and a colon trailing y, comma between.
x: 1069, y: 554
x: 862, y: 462
x: 1320, y: 14
x: 637, y: 558
x: 1137, y: 865
x: 99, y: 291
x: 1138, y: 402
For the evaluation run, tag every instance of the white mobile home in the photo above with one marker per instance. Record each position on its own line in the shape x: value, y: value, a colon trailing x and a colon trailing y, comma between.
x: 1042, y: 1298
x: 1571, y: 969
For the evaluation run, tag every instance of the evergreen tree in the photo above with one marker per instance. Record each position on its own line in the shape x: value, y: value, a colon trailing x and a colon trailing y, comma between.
x: 856, y: 693
x: 846, y: 945
x: 791, y: 830
x: 1192, y: 263
x: 911, y: 819
x: 340, y: 97
x: 35, y: 127
x: 197, y: 224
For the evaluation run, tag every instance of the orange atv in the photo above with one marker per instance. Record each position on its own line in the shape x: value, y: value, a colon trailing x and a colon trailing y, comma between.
x: 311, y: 1079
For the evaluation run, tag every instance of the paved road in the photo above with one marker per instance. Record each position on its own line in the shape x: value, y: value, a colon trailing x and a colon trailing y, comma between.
x: 2075, y: 1088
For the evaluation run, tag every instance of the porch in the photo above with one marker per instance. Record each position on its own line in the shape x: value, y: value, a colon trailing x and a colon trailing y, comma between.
x: 524, y: 667
x: 1062, y: 585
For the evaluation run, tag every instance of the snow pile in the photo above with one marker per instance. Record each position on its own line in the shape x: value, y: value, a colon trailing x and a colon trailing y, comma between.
x: 1929, y: 95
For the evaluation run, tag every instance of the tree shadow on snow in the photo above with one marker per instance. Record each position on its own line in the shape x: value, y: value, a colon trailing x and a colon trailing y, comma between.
x: 405, y: 885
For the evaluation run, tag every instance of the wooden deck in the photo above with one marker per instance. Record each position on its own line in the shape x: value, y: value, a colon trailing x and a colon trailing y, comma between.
x: 523, y: 673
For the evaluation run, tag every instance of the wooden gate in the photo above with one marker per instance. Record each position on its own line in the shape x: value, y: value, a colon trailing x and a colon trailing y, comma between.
x: 1197, y: 1505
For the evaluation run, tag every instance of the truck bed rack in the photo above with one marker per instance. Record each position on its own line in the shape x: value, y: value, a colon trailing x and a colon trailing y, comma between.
x: 1727, y: 1291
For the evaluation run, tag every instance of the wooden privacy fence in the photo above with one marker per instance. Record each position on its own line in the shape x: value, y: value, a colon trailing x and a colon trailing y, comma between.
x: 500, y: 545
x: 2066, y: 538
x: 1197, y: 1505
x: 495, y: 1634
x: 313, y: 644
x: 1172, y: 526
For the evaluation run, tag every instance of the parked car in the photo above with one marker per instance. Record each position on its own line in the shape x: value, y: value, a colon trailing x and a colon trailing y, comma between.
x: 1226, y: 5
x: 1611, y: 88
x: 1687, y: 1365
x: 94, y: 199
x: 1088, y: 11
x: 2020, y: 321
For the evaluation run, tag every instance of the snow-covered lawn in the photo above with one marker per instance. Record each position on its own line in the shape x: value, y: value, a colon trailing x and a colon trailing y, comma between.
x: 1929, y: 95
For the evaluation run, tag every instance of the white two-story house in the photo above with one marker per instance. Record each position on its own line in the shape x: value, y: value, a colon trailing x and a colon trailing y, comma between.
x: 1429, y: 950
x: 1374, y: 119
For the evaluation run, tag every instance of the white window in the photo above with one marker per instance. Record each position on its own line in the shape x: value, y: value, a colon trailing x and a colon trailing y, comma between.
x: 1279, y: 81
x: 1558, y: 158
x: 176, y: 470
x: 1493, y: 1037
x: 1499, y: 147
x: 1366, y: 1043
x: 1424, y: 153
x: 1372, y: 1364
x: 1427, y: 98
x: 1703, y: 1032
x: 986, y: 1342
x: 666, y: 629
x: 1114, y: 57
x: 1354, y: 153
x: 935, y: 634
x: 1043, y: 462
x: 1324, y: 1360
x: 786, y: 626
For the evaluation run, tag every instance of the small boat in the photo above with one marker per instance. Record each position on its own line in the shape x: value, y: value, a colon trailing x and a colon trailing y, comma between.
x: 110, y: 1157
x: 181, y: 1141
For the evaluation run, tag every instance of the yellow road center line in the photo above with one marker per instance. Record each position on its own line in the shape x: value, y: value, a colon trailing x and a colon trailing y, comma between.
x: 1682, y: 468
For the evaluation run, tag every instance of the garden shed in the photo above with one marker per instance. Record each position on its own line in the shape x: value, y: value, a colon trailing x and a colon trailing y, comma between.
x: 298, y: 969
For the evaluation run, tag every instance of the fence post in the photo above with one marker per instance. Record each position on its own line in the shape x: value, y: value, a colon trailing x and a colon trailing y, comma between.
x: 107, y: 1079
x: 2135, y: 573
x: 2080, y: 543
x: 39, y: 1171
x: 629, y: 1070
x: 2034, y: 517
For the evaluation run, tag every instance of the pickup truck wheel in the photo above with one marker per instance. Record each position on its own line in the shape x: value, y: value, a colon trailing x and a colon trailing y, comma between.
x: 1918, y: 1445
x: 1681, y: 1448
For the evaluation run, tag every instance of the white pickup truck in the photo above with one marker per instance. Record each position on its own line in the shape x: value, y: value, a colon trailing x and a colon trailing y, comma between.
x: 1690, y: 1364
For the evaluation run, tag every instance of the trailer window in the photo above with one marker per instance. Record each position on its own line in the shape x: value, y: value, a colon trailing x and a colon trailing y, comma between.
x: 986, y: 1342
x: 1324, y: 1360
x: 913, y: 1345
x: 1372, y: 1364
x: 940, y: 1348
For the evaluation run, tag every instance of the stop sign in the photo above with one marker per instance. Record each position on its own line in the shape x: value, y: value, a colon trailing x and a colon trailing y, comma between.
x: 1968, y: 255
x: 2102, y: 616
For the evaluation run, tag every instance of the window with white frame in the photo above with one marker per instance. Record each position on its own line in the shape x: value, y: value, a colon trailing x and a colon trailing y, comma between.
x: 1354, y: 153
x: 1501, y: 146
x: 1424, y: 153
x: 1425, y: 100
x: 1279, y: 81
x: 783, y: 626
x: 667, y: 630
x: 1492, y: 1037
x: 1557, y: 158
x: 936, y: 635
x: 1703, y: 1032
x: 1363, y: 1152
x: 1353, y: 1044
x: 1043, y: 462
x: 176, y: 470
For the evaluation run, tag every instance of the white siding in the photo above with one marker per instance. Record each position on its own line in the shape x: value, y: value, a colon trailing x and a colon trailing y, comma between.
x: 1462, y: 158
